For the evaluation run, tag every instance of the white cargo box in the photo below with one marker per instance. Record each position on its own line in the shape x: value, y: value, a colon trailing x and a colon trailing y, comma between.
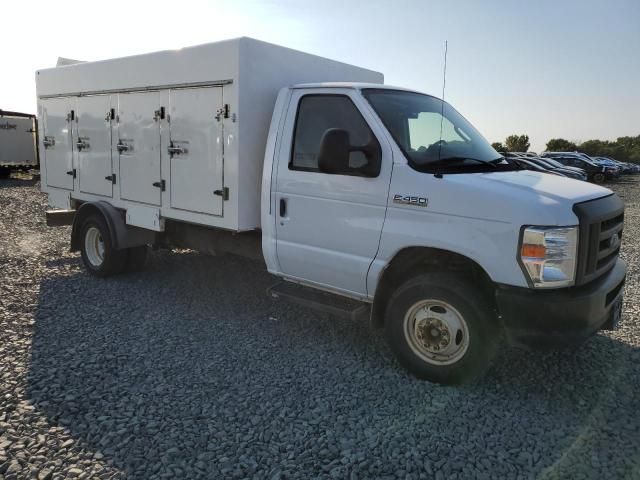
x: 171, y: 135
x: 17, y: 140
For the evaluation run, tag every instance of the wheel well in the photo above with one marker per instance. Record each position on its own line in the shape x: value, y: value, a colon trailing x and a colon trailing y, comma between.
x: 122, y: 235
x: 84, y: 211
x: 413, y: 261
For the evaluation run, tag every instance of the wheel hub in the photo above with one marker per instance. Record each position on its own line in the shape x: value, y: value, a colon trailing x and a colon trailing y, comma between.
x: 436, y: 331
x: 433, y: 334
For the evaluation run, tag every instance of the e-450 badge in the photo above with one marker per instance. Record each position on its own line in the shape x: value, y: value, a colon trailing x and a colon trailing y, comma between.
x: 410, y: 200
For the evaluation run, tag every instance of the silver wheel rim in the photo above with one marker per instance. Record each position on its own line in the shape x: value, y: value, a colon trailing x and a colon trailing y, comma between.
x: 436, y: 332
x: 94, y: 246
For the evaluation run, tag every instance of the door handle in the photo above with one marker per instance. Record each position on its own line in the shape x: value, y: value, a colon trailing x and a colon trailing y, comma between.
x: 283, y: 207
x: 174, y: 150
x: 122, y: 147
x: 48, y: 141
x: 81, y: 145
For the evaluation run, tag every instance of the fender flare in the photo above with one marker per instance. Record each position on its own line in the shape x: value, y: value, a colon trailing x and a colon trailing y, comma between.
x: 122, y: 235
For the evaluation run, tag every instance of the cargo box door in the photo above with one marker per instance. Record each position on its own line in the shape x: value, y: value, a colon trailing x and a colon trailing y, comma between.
x: 139, y: 147
x: 93, y: 145
x: 57, y: 116
x: 195, y: 150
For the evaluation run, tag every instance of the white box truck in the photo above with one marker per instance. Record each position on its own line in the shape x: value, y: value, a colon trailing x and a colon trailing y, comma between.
x: 365, y: 199
x: 18, y: 147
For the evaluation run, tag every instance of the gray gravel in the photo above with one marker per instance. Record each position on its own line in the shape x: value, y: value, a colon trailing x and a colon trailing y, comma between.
x: 187, y: 370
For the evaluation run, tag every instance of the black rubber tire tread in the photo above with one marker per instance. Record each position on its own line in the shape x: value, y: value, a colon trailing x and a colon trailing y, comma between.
x: 136, y: 258
x: 114, y: 260
x: 484, y: 330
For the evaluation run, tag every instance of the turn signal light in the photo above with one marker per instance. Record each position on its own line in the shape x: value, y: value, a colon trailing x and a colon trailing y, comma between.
x: 533, y: 251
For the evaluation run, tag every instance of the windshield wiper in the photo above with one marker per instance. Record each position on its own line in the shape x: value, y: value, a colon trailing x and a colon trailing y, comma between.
x: 462, y: 159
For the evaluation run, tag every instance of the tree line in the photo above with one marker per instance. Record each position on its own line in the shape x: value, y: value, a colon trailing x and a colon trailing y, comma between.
x: 625, y: 149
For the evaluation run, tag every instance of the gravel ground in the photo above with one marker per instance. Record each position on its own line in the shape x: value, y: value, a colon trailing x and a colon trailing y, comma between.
x: 187, y: 370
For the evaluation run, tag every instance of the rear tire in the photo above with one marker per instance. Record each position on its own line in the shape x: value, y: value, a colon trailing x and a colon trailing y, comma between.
x: 98, y: 255
x: 136, y: 258
x: 599, y: 178
x: 441, y: 328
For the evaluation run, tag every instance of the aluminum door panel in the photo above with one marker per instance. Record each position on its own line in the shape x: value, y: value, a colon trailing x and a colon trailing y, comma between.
x: 196, y: 140
x: 139, y: 130
x: 94, y: 145
x: 58, y: 150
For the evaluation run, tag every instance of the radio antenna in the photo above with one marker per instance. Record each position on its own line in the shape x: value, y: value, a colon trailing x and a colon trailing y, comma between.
x: 444, y: 83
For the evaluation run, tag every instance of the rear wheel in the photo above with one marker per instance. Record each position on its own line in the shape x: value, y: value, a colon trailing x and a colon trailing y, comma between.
x: 441, y: 328
x: 98, y: 255
x: 599, y: 178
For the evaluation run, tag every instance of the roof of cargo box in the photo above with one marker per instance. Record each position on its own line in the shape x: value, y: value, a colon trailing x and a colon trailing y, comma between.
x: 217, y: 63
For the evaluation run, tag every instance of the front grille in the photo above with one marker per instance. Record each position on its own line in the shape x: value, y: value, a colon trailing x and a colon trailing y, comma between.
x: 601, y: 223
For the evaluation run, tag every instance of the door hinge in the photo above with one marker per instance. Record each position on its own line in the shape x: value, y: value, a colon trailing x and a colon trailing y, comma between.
x: 159, y: 114
x: 224, y: 193
x: 222, y: 112
x: 111, y: 178
x: 111, y: 115
x: 161, y: 185
x: 72, y: 173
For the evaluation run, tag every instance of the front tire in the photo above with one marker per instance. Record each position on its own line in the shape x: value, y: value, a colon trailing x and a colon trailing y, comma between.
x: 599, y: 178
x: 98, y: 255
x: 441, y: 328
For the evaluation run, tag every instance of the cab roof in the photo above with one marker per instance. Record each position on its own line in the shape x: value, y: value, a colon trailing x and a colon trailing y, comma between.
x: 354, y: 85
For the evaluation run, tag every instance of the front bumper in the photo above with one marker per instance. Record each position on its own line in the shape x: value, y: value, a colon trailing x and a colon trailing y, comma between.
x: 540, y: 318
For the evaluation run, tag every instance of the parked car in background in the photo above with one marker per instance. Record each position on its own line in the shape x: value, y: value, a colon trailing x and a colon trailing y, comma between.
x: 595, y: 173
x: 613, y: 167
x: 557, y: 168
x: 580, y: 173
x: 527, y: 164
x: 545, y: 164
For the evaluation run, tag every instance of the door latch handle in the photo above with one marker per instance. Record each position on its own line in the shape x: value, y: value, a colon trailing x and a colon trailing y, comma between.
x: 283, y: 207
x: 111, y: 178
x: 176, y: 150
x: 72, y: 173
x: 224, y: 193
x: 81, y: 145
x: 122, y: 147
x: 48, y: 142
x: 161, y: 185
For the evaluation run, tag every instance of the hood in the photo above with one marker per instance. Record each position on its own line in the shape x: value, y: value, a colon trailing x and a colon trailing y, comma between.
x: 518, y: 197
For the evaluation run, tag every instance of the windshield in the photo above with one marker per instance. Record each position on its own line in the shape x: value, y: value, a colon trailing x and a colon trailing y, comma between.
x: 429, y: 130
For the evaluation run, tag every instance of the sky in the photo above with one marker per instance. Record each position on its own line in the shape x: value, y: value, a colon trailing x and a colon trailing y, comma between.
x: 561, y: 68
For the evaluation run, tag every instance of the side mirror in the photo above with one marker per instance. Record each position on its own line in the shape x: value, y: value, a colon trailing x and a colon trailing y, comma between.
x: 333, y: 156
x: 335, y: 149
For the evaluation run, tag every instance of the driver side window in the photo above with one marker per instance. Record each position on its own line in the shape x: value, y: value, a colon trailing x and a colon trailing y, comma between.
x: 319, y: 113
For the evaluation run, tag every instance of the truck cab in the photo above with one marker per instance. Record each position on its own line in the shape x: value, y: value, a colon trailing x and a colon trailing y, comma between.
x: 389, y: 196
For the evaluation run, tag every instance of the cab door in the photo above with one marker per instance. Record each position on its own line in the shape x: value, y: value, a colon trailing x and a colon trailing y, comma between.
x: 328, y: 225
x: 58, y: 119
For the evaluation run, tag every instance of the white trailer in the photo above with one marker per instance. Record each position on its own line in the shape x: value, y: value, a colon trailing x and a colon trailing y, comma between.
x: 18, y: 147
x: 364, y: 198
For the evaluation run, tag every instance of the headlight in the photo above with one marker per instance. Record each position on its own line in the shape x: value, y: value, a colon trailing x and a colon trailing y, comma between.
x: 548, y: 255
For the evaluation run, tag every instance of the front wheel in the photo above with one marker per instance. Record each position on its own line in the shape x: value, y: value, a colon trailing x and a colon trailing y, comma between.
x: 599, y: 178
x: 441, y: 328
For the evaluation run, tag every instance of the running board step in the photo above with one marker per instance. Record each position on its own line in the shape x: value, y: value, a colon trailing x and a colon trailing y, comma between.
x: 318, y: 300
